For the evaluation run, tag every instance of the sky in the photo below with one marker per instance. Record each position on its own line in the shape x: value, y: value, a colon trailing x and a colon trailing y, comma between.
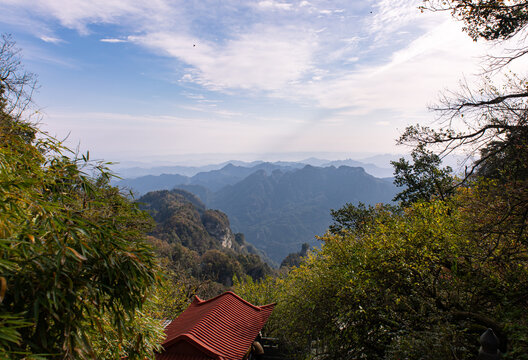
x: 164, y: 80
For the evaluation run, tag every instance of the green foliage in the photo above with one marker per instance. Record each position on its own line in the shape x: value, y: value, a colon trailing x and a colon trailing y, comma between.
x: 416, y: 281
x: 263, y: 291
x: 172, y: 296
x: 144, y: 335
x: 295, y: 259
x: 72, y: 248
x: 72, y: 245
x: 351, y: 217
x: 506, y: 159
x: 423, y: 179
x: 253, y: 266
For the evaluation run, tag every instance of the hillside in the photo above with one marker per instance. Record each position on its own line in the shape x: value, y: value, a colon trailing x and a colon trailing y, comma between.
x: 276, y: 205
x: 198, y: 241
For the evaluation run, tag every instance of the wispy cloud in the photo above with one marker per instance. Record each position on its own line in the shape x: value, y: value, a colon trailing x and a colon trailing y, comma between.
x: 390, y: 16
x: 211, y: 109
x: 113, y: 41
x: 79, y: 14
x: 164, y: 133
x: 407, y: 82
x: 263, y: 59
x: 51, y: 39
x: 274, y: 5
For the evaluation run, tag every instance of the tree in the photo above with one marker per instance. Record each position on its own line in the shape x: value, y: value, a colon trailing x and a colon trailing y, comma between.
x: 423, y: 179
x: 351, y: 217
x: 220, y: 267
x: 16, y: 84
x: 295, y: 259
x: 72, y: 248
x: 490, y: 124
x: 266, y: 290
x: 492, y: 119
x: 487, y: 19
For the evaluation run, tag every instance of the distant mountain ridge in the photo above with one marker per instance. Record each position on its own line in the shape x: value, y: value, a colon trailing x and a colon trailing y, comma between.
x: 138, y: 171
x: 231, y: 173
x: 190, y: 171
x: 213, y: 180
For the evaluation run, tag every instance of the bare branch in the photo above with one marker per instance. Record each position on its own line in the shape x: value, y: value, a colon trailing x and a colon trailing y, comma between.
x: 16, y: 85
x: 493, y: 101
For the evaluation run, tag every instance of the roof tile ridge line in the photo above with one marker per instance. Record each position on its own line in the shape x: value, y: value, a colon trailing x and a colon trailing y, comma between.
x: 256, y: 307
x: 196, y: 341
x: 197, y: 300
x: 270, y: 305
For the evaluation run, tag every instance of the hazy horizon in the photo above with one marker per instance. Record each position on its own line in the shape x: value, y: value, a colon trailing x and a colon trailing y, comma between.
x: 217, y: 158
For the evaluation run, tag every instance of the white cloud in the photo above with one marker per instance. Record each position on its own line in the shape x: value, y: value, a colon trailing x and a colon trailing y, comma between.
x: 263, y: 59
x: 78, y: 14
x: 163, y: 134
x: 51, y: 39
x: 407, y: 83
x: 113, y: 41
x: 274, y: 5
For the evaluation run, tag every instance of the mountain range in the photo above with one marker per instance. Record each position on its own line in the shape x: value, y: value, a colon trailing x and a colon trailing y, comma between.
x: 278, y: 206
x: 377, y: 166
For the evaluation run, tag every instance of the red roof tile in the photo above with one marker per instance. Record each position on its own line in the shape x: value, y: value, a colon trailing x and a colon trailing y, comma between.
x: 221, y: 328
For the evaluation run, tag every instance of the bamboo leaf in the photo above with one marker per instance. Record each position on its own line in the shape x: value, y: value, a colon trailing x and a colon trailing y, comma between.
x: 3, y: 288
x: 79, y: 256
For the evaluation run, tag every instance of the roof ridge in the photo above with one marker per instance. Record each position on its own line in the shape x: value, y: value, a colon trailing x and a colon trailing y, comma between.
x: 256, y: 307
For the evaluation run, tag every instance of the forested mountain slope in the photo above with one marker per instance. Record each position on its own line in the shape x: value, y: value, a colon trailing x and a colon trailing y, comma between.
x: 198, y: 242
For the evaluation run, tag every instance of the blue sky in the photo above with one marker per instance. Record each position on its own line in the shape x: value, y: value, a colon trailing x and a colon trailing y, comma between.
x: 164, y: 79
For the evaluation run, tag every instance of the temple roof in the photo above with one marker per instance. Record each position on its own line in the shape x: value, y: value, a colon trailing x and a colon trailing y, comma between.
x: 222, y: 328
